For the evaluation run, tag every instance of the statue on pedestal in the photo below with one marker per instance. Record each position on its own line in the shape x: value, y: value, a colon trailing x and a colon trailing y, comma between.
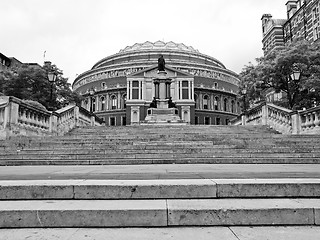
x: 161, y: 64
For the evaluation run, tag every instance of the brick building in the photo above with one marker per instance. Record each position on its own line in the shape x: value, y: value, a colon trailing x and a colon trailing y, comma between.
x: 302, y: 23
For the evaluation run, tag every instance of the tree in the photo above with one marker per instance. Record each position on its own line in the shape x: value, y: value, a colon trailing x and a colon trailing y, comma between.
x: 31, y: 83
x: 274, y: 71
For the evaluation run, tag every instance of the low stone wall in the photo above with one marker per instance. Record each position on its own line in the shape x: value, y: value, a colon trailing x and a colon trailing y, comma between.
x: 18, y: 118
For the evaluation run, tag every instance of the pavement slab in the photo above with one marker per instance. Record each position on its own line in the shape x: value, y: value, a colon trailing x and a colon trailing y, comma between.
x: 189, y: 233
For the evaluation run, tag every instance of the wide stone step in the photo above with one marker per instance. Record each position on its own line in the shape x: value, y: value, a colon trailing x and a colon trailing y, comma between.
x: 159, y: 189
x: 159, y: 155
x: 159, y: 213
x: 223, y: 150
x: 98, y: 160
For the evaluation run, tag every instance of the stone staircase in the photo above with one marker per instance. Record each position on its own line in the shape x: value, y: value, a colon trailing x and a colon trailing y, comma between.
x: 159, y: 203
x: 163, y: 145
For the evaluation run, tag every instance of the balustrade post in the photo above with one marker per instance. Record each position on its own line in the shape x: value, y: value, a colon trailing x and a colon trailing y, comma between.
x: 244, y: 119
x: 53, y: 128
x: 296, y: 123
x: 12, y: 114
x: 92, y: 121
x: 264, y: 115
x: 76, y: 116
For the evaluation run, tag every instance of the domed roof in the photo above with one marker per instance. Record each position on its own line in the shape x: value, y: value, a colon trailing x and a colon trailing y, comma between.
x: 159, y: 45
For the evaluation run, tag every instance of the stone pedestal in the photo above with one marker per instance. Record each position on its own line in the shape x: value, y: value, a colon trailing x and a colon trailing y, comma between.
x: 162, y: 89
x: 162, y: 113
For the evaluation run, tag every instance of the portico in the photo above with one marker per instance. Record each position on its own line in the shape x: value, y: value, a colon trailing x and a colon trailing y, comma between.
x: 160, y: 96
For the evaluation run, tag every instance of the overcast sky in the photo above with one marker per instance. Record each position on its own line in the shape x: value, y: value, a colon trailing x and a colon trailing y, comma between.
x: 77, y: 33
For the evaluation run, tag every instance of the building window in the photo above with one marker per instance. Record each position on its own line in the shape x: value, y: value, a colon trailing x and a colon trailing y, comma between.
x: 185, y: 90
x: 215, y: 85
x: 207, y: 120
x: 103, y: 103
x: 232, y: 106
x: 124, y: 121
x: 206, y: 102
x: 113, y: 102
x: 135, y: 89
x: 218, y: 121
x: 93, y: 104
x: 225, y: 105
x: 112, y: 121
x: 103, y: 85
x: 216, y: 103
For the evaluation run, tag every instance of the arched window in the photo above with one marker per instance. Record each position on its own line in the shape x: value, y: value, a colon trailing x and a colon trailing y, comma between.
x: 103, y: 103
x: 232, y: 106
x: 206, y: 102
x: 216, y: 103
x: 93, y: 104
x: 225, y: 105
x: 113, y: 102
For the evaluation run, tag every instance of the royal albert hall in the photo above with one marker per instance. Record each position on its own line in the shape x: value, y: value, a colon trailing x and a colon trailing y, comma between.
x: 128, y: 88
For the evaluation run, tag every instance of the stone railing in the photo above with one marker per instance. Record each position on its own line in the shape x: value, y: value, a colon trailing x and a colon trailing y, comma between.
x: 281, y: 119
x: 310, y: 121
x: 18, y: 118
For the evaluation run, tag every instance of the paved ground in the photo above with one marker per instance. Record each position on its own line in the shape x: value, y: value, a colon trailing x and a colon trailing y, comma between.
x: 205, y: 233
x: 172, y: 171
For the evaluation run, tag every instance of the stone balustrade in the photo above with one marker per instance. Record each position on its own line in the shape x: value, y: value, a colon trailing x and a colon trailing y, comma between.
x: 18, y: 118
x: 283, y: 120
x: 310, y: 121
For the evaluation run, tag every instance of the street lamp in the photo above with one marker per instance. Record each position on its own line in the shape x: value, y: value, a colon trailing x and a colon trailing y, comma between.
x: 52, y: 76
x: 91, y: 94
x: 244, y: 93
x: 295, y: 73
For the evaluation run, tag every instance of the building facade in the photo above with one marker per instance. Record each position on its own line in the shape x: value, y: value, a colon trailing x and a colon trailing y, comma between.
x: 302, y: 23
x: 272, y: 32
x: 128, y: 88
x: 9, y: 62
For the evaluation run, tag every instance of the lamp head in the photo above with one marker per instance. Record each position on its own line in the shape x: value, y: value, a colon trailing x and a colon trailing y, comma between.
x: 52, y: 76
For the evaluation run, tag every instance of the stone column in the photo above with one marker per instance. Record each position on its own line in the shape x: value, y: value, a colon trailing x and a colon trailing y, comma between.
x: 119, y: 100
x: 107, y: 101
x: 156, y: 90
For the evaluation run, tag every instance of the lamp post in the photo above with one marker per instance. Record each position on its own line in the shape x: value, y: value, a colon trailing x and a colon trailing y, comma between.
x: 295, y: 73
x: 91, y: 94
x: 244, y: 93
x: 295, y: 77
x: 52, y: 76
